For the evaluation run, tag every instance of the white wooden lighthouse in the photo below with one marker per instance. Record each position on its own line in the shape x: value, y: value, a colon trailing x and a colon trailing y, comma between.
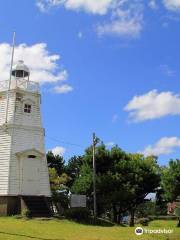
x: 24, y: 179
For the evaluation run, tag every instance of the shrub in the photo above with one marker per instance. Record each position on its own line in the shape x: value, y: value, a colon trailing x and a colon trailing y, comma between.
x: 144, y: 221
x: 168, y: 217
x: 26, y: 213
x: 177, y: 213
x: 77, y: 214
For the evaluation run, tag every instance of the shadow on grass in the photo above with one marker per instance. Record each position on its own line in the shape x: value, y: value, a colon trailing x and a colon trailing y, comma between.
x: 28, y: 236
x: 100, y: 222
x: 90, y: 222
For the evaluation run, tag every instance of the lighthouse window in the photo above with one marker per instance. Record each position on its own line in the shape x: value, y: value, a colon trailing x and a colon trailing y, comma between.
x: 27, y: 108
x: 31, y: 156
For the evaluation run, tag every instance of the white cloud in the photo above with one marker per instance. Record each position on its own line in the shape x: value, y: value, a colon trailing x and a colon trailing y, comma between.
x: 124, y: 17
x: 165, y: 145
x: 173, y: 5
x: 43, y: 65
x: 58, y: 150
x: 45, y: 5
x: 153, y: 105
x: 127, y: 20
x: 153, y: 4
x: 91, y: 6
x: 62, y: 89
x: 41, y: 6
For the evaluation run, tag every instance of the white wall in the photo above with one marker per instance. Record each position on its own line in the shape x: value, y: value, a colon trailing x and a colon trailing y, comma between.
x: 24, y: 132
x: 5, y: 143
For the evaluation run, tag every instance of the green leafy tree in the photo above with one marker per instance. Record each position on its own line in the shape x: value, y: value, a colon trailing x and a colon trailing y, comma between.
x: 59, y: 189
x: 83, y: 184
x: 144, y: 179
x: 161, y: 202
x: 123, y: 180
x: 132, y: 179
x: 177, y: 213
x: 73, y: 167
x: 146, y: 208
x: 171, y: 180
x: 171, y: 184
x: 56, y: 161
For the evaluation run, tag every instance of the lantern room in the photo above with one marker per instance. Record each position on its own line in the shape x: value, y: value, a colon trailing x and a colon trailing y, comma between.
x: 20, y: 70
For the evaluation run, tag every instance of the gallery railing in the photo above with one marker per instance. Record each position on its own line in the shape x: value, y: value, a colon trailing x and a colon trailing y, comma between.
x: 21, y: 84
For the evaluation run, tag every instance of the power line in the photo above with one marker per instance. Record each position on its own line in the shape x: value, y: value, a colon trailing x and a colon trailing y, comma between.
x: 64, y: 142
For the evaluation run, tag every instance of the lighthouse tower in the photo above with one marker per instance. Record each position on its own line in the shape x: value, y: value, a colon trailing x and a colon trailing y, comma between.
x: 24, y: 179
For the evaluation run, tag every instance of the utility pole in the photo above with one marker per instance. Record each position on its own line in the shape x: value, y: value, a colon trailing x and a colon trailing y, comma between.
x: 95, y: 141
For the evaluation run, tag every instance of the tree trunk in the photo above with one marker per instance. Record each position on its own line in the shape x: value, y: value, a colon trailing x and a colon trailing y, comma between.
x: 119, y: 218
x: 114, y: 214
x: 131, y: 221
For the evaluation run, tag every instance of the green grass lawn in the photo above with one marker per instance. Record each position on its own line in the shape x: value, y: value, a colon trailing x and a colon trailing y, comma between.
x: 19, y: 229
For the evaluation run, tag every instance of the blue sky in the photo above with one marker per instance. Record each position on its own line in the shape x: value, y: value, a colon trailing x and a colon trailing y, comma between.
x: 110, y: 67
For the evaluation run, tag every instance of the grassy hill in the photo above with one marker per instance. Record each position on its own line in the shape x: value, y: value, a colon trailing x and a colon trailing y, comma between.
x: 19, y: 229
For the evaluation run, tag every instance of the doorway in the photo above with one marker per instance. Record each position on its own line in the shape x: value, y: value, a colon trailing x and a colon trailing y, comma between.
x: 30, y: 179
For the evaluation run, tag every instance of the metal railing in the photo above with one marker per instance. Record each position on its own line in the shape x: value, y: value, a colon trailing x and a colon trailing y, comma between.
x: 20, y: 83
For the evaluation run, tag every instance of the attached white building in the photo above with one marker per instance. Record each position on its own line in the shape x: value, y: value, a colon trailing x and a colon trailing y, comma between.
x: 24, y: 179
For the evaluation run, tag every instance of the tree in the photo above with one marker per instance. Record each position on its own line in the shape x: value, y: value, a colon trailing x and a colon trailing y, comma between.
x: 145, y: 179
x: 161, y: 202
x: 177, y: 213
x: 133, y: 177
x: 83, y: 184
x: 56, y: 161
x: 171, y: 184
x: 59, y: 189
x: 146, y: 208
x: 123, y: 180
x: 171, y: 180
x: 73, y: 167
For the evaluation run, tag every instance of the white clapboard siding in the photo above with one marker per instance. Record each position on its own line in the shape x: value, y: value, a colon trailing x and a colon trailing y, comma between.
x: 22, y: 118
x: 22, y: 133
x: 3, y: 105
x: 5, y: 148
